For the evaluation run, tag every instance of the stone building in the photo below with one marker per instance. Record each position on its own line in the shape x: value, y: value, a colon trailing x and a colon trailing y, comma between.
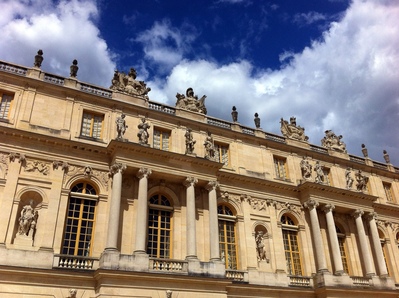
x: 106, y: 193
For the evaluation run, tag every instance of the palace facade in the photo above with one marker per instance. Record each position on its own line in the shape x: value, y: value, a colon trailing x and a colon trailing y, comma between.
x: 106, y: 193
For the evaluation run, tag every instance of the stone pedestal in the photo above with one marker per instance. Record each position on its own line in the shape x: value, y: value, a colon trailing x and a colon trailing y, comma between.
x: 110, y: 259
x: 23, y: 241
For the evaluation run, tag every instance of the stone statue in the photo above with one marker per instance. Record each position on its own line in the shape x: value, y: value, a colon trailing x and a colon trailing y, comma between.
x: 364, y: 151
x: 234, y: 114
x: 72, y: 293
x: 260, y: 247
x: 361, y: 181
x: 127, y: 83
x: 191, y: 102
x: 292, y: 131
x: 332, y: 141
x: 386, y: 157
x: 190, y: 142
x: 169, y: 294
x: 143, y: 133
x: 318, y: 168
x: 209, y: 147
x: 257, y: 120
x: 306, y: 168
x: 74, y: 69
x: 28, y: 220
x: 348, y: 178
x: 121, y: 126
x: 38, y: 59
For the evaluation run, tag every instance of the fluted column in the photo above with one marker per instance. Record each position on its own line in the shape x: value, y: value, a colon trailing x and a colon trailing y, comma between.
x: 213, y: 220
x: 332, y: 236
x: 317, y: 240
x: 142, y: 211
x: 114, y: 211
x: 189, y: 183
x: 375, y: 239
x: 367, y: 258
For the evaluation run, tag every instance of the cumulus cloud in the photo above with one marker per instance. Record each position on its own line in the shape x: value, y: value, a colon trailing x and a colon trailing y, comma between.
x: 64, y: 31
x: 346, y: 82
x: 308, y: 18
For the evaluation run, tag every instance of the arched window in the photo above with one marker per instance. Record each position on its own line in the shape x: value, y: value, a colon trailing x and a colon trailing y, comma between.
x: 227, y: 237
x: 291, y: 245
x: 159, y: 227
x: 342, y: 248
x: 80, y: 219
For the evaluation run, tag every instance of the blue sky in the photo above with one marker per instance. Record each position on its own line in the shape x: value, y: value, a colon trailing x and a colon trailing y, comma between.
x: 333, y: 64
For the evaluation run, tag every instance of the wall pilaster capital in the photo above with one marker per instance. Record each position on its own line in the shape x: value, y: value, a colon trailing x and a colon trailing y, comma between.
x: 190, y: 181
x: 144, y: 173
x: 117, y: 168
x: 372, y: 215
x: 14, y: 156
x: 212, y: 185
x: 328, y: 208
x: 357, y: 213
x: 60, y: 164
x: 311, y: 204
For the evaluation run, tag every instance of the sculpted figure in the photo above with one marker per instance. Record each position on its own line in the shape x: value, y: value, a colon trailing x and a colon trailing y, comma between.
x: 292, y: 131
x: 348, y: 177
x: 191, y: 102
x: 318, y: 168
x: 209, y: 147
x: 306, y: 168
x: 38, y: 59
x: 364, y: 151
x: 361, y: 181
x: 190, y: 142
x: 143, y: 133
x: 74, y: 69
x: 234, y: 114
x: 27, y: 220
x: 127, y: 83
x: 257, y: 120
x: 332, y: 141
x: 260, y: 247
x: 386, y: 157
x: 121, y: 126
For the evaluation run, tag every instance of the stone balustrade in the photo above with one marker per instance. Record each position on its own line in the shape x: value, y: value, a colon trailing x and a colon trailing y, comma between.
x: 300, y: 281
x: 168, y: 265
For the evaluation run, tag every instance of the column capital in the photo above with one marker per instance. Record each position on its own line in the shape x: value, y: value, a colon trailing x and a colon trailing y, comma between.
x: 212, y: 185
x: 21, y: 157
x: 357, y: 213
x: 372, y: 215
x: 310, y: 204
x: 190, y: 181
x: 60, y: 164
x: 143, y: 172
x: 117, y: 167
x: 328, y: 208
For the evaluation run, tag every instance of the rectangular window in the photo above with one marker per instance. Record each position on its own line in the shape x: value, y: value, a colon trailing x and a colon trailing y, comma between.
x: 222, y: 154
x: 292, y: 255
x: 342, y: 250
x: 92, y: 125
x: 161, y: 139
x: 327, y: 179
x: 280, y: 166
x: 5, y: 105
x: 388, y: 192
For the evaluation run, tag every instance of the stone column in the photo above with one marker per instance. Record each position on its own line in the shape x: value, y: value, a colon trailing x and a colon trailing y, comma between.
x: 382, y: 268
x: 114, y: 211
x: 367, y: 258
x: 332, y: 236
x: 191, y: 237
x: 142, y: 211
x: 213, y: 221
x: 317, y: 240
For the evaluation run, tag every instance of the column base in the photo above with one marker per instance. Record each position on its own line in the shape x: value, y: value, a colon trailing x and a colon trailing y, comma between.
x: 109, y: 259
x: 209, y: 269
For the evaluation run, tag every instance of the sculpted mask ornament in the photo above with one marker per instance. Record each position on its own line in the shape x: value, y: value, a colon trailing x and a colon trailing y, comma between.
x: 292, y: 131
x: 191, y: 102
x: 333, y: 142
x: 127, y: 83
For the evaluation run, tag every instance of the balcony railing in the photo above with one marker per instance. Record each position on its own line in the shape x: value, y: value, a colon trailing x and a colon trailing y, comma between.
x: 53, y: 79
x: 168, y: 265
x: 235, y: 275
x: 300, y: 281
x: 361, y: 281
x: 96, y: 90
x: 275, y: 138
x: 161, y: 108
x: 219, y: 123
x: 74, y: 262
x: 13, y: 68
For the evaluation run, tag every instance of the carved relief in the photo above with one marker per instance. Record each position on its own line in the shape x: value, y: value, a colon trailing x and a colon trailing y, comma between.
x: 37, y: 166
x: 127, y: 83
x: 292, y: 131
x: 362, y: 181
x: 88, y: 172
x: 21, y: 157
x: 3, y: 165
x: 60, y: 164
x: 332, y: 141
x: 191, y: 102
x: 306, y: 169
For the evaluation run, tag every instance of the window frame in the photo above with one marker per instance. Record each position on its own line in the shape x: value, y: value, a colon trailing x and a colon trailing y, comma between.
x: 161, y: 138
x: 292, y: 229
x: 343, y: 250
x: 220, y: 154
x: 228, y: 223
x: 93, y: 116
x: 389, y: 195
x: 280, y: 163
x: 5, y: 111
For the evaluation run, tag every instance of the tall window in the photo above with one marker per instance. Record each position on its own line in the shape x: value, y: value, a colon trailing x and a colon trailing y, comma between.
x: 92, y: 125
x: 159, y: 227
x: 291, y: 246
x: 78, y: 235
x: 222, y: 154
x: 161, y: 139
x: 5, y: 105
x: 280, y: 166
x: 227, y: 237
x: 342, y: 249
x: 384, y: 250
x: 388, y: 191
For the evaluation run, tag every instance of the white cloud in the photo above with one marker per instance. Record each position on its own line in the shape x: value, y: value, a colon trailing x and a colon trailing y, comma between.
x: 347, y: 83
x: 64, y: 31
x: 308, y: 18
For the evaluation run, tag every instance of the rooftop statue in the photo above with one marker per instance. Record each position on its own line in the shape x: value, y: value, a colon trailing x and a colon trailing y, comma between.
x: 74, y: 68
x: 191, y: 102
x: 234, y: 114
x: 332, y: 141
x: 127, y: 83
x: 38, y: 59
x: 292, y: 131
